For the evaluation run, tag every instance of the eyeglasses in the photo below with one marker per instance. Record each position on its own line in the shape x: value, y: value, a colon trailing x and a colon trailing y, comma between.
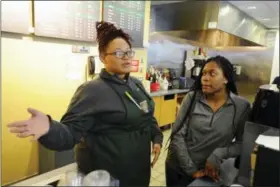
x: 122, y: 54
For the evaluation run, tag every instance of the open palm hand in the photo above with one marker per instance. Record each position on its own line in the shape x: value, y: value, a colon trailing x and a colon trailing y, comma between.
x: 37, y: 125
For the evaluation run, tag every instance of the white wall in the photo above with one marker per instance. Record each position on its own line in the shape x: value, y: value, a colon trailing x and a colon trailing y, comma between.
x: 275, y: 63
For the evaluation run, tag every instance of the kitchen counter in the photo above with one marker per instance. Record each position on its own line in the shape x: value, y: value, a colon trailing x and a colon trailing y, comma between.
x: 49, y: 177
x: 166, y: 105
x: 168, y: 92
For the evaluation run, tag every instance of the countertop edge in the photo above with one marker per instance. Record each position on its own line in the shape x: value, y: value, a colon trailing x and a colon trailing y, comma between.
x: 169, y: 92
x: 48, y: 177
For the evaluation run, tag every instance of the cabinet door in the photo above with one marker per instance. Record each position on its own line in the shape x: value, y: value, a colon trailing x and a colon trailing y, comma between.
x: 168, y: 104
x: 157, y: 108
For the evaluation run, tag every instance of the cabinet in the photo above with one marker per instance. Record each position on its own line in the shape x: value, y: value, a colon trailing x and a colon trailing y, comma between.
x: 168, y: 105
x: 157, y: 108
x: 50, y: 160
x: 165, y: 109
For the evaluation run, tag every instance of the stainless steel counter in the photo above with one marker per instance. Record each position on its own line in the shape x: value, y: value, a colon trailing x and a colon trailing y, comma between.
x: 168, y: 92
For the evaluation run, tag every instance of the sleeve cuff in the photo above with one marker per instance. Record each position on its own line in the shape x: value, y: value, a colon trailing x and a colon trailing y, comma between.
x: 190, y: 168
x: 216, y: 158
x: 158, y: 140
x: 47, y: 137
x: 215, y: 161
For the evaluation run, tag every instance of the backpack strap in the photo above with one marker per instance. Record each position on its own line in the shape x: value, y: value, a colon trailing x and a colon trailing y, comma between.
x: 194, y: 99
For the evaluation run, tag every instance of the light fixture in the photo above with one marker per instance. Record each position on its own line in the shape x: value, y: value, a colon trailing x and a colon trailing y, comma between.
x: 265, y: 19
x: 251, y: 7
x: 224, y: 10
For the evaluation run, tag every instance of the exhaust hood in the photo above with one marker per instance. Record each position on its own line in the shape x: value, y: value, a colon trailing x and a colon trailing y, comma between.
x: 211, y: 24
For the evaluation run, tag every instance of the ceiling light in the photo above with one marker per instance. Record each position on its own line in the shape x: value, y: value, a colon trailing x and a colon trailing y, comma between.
x: 265, y: 19
x: 224, y: 10
x: 251, y: 7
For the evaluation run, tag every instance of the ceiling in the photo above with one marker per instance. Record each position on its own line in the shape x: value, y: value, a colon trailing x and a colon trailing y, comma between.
x: 266, y: 12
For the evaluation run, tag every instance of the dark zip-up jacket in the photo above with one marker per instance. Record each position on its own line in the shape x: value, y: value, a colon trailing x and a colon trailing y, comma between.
x: 208, y: 135
x: 112, y: 133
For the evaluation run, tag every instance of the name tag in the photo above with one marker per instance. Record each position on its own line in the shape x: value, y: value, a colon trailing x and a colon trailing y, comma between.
x: 144, y: 106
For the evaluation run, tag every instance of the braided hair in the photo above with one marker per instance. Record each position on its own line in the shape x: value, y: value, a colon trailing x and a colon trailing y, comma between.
x: 106, y: 32
x: 228, y: 72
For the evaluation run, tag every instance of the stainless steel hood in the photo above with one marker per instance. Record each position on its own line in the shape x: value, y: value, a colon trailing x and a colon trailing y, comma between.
x: 206, y: 23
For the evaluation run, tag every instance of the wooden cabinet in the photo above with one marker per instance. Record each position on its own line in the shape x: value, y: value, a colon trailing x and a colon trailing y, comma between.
x: 168, y: 105
x: 157, y: 108
x: 165, y: 109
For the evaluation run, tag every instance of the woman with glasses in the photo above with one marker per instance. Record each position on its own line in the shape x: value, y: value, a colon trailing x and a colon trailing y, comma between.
x: 109, y: 118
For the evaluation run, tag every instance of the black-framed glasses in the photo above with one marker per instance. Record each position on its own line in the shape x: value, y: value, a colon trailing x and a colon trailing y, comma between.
x: 122, y: 54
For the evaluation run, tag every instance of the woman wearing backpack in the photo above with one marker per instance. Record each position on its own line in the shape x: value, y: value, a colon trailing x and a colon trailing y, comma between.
x: 211, y: 116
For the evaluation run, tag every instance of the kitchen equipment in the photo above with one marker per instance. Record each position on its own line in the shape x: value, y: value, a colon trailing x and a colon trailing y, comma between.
x: 94, y: 178
x: 165, y: 84
x: 185, y: 83
x: 266, y: 106
x: 248, y: 166
x: 97, y: 178
x: 266, y: 171
x: 155, y: 87
x: 147, y: 85
x: 175, y: 83
x: 71, y: 178
x: 197, y: 68
x: 74, y: 178
x: 172, y: 74
x: 237, y: 69
x: 173, y: 79
x: 188, y: 65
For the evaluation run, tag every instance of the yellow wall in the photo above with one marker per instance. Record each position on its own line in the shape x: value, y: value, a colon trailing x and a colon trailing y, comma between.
x: 35, y: 74
x: 142, y: 53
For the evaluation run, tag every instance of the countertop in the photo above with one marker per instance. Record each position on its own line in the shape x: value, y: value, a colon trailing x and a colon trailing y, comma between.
x: 49, y: 177
x: 168, y: 92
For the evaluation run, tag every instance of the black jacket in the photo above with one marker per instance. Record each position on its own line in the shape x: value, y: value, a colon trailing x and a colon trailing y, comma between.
x: 112, y: 133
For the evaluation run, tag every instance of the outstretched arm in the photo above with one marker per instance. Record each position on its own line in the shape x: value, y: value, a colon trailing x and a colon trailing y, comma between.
x: 78, y: 119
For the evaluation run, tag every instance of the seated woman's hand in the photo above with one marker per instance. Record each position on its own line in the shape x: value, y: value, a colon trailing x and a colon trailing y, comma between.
x: 198, y: 174
x: 211, y: 171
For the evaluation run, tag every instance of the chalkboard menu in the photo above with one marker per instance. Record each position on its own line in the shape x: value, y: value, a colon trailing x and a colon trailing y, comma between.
x: 129, y: 16
x: 74, y: 20
x: 16, y: 16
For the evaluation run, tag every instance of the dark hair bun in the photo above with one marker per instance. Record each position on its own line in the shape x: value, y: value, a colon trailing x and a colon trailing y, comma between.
x: 104, y: 28
x: 106, y: 32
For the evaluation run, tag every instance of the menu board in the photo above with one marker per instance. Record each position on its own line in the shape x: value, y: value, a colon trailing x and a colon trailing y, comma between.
x: 74, y: 20
x: 16, y: 16
x: 129, y: 16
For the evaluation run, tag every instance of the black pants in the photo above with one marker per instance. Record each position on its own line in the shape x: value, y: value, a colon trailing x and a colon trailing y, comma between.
x: 176, y: 179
